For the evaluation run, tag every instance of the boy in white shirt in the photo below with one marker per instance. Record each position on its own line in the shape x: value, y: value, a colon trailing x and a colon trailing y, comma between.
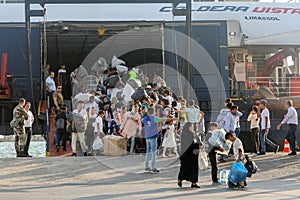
x: 237, y: 146
x: 238, y: 151
x: 98, y: 128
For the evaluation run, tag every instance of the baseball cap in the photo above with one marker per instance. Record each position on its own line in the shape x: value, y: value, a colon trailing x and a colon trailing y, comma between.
x: 264, y: 102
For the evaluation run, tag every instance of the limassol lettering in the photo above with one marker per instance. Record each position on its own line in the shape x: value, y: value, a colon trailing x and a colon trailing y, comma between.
x: 262, y: 18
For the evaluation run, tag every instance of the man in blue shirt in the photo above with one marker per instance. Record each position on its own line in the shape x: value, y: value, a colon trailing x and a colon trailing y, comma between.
x: 150, y: 123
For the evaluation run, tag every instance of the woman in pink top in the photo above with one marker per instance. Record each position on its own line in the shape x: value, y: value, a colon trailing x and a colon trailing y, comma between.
x: 131, y: 125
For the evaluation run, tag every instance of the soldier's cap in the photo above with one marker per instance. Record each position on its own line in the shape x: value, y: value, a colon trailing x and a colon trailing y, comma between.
x: 263, y: 102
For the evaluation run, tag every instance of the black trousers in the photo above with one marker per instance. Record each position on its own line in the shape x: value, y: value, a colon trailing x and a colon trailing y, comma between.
x: 291, y: 136
x: 213, y: 161
x: 51, y: 102
x: 28, y: 131
x: 254, y: 138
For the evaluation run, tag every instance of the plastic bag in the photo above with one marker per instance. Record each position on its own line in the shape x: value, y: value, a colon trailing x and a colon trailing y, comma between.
x: 98, y: 144
x: 202, y: 160
x: 139, y: 94
x: 238, y: 172
x: 116, y: 61
x: 224, y: 174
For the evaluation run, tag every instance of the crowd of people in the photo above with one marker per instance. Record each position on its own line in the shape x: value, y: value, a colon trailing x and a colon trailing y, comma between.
x: 152, y: 119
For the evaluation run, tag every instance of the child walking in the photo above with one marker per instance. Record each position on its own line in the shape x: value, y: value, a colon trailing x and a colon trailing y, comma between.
x: 169, y: 139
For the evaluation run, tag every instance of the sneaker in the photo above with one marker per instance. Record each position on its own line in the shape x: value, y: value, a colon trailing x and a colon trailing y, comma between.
x: 147, y: 169
x: 154, y: 171
x: 74, y: 154
x: 57, y: 149
x: 261, y: 153
x: 276, y: 149
x: 216, y: 183
x: 194, y: 185
x: 293, y: 153
x: 85, y: 154
x: 179, y: 183
x: 164, y: 156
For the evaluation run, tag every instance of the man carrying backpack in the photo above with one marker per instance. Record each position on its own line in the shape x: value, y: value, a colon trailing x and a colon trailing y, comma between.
x: 61, y: 128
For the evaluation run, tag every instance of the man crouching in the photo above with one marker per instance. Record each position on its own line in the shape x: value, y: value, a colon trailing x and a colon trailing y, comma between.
x: 238, y: 172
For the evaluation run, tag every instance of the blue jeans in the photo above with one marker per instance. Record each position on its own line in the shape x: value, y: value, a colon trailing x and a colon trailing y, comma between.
x: 237, y: 131
x: 263, y: 140
x: 151, y: 148
x: 132, y: 143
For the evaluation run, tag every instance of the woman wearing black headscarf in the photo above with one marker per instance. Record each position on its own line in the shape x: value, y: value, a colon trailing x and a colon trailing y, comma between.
x: 189, y: 156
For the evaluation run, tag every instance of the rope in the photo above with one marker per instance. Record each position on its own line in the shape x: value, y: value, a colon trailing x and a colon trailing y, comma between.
x: 176, y: 57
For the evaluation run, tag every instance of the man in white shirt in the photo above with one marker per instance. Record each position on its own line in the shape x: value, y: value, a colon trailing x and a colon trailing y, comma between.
x: 233, y: 120
x: 221, y: 119
x: 291, y: 119
x: 214, y: 141
x: 79, y: 124
x: 50, y: 89
x: 265, y: 127
x: 237, y: 146
x: 28, y: 127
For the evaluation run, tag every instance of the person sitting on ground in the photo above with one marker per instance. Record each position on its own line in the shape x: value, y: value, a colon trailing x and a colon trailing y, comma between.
x: 115, y: 124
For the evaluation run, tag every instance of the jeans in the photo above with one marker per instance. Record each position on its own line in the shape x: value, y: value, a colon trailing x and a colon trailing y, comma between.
x: 151, y: 148
x: 61, y: 135
x: 237, y: 131
x: 291, y: 136
x: 263, y: 140
x: 132, y: 143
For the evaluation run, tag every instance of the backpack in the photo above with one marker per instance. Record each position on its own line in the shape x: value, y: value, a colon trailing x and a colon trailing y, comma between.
x: 60, y: 123
x: 250, y: 166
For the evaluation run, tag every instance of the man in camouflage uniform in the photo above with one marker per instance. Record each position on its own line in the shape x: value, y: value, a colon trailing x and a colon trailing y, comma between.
x: 19, y: 115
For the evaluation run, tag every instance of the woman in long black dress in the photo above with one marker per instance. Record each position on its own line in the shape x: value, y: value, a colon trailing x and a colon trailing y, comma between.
x: 189, y: 156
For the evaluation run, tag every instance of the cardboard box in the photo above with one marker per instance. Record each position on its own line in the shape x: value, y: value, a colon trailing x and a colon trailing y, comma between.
x: 114, y: 145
